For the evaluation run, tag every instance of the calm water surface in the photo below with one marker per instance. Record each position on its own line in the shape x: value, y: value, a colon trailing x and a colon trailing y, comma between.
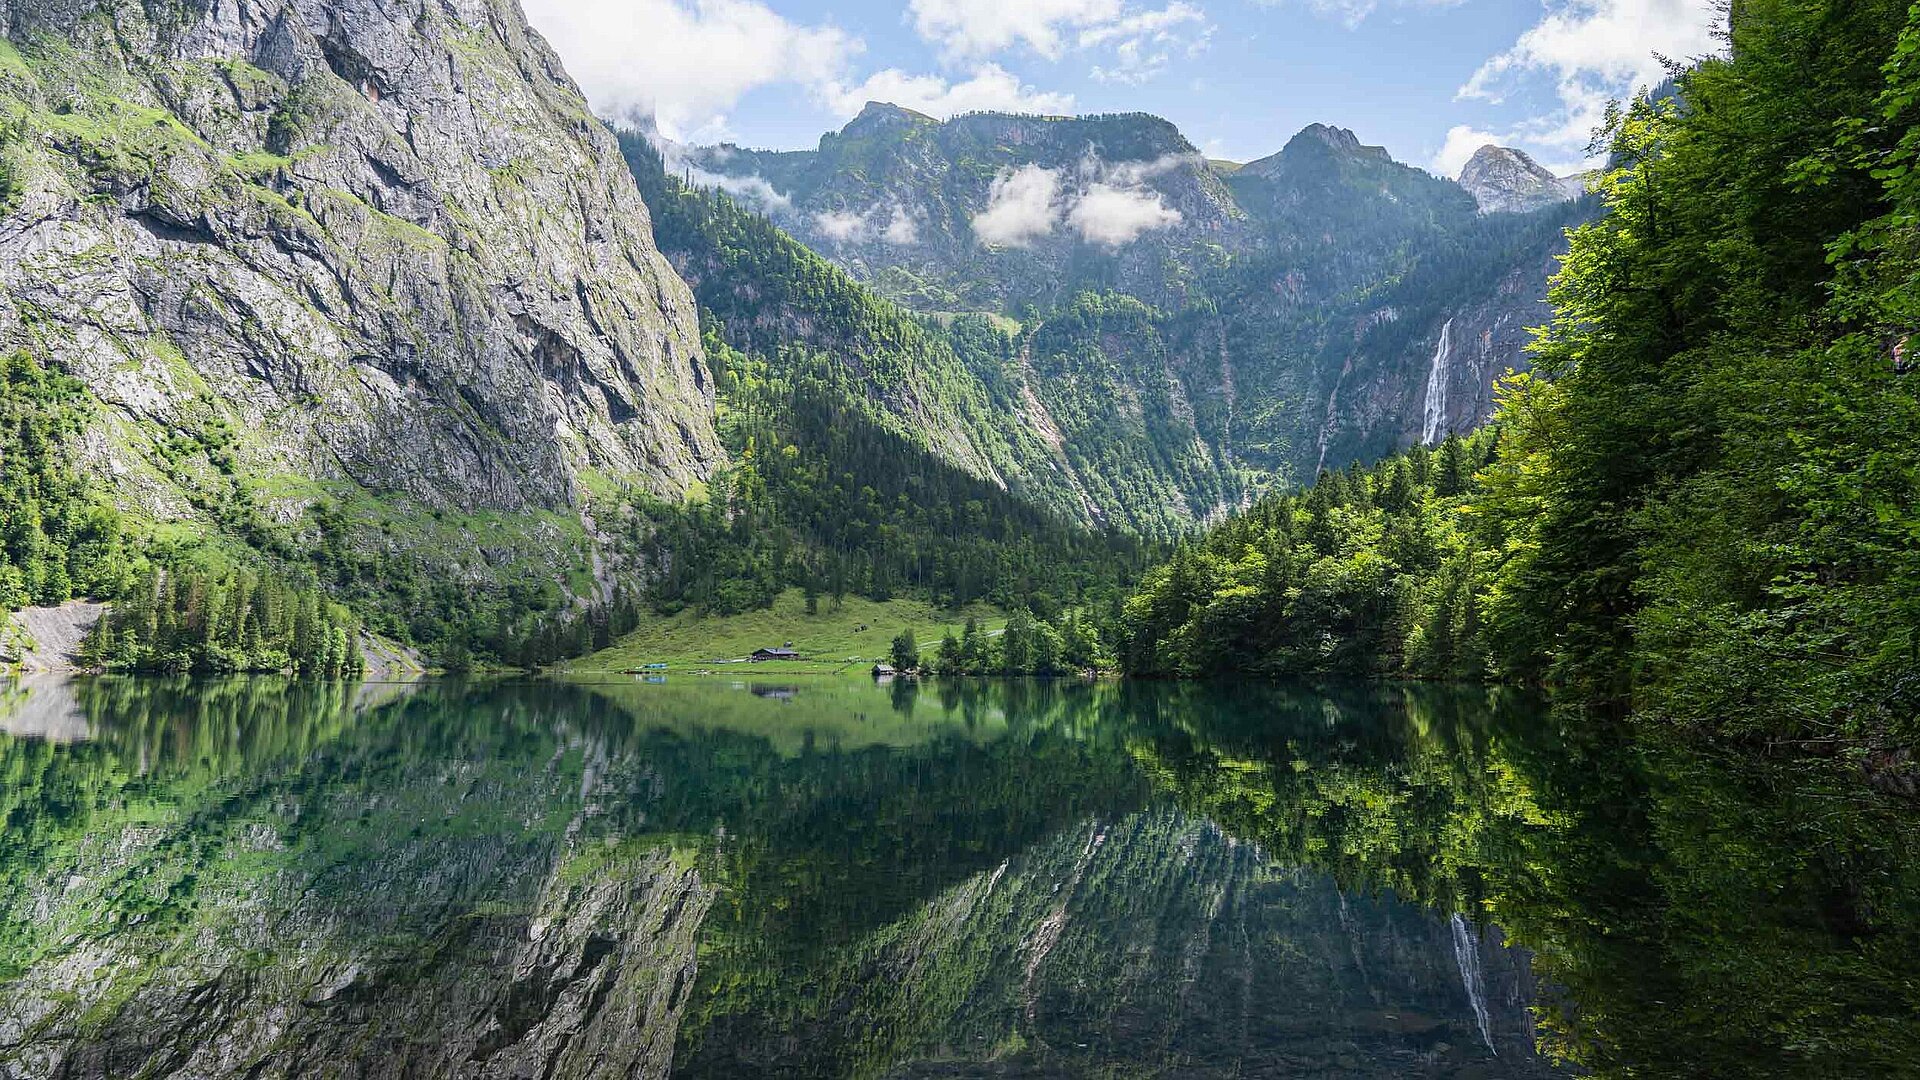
x: 711, y: 879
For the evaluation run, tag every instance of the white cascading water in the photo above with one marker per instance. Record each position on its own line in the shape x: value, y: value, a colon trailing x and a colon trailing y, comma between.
x: 1437, y: 385
x: 1466, y: 953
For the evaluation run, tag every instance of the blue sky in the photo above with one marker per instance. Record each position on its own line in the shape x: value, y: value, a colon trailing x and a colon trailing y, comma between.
x: 1429, y: 79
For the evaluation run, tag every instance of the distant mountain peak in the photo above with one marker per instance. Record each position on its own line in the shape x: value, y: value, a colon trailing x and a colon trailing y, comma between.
x: 882, y: 115
x: 1502, y: 179
x: 1340, y: 140
x: 1317, y: 142
x: 887, y: 110
x: 1337, y: 138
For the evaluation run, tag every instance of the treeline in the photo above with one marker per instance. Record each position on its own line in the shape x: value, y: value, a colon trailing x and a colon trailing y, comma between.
x: 203, y: 622
x: 1710, y: 510
x: 1371, y: 571
x: 1069, y: 643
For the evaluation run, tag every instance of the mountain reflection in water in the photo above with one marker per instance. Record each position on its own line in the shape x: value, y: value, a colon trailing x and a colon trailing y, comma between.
x: 266, y: 878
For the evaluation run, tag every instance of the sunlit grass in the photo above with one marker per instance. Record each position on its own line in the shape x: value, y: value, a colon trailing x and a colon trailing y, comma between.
x: 844, y: 636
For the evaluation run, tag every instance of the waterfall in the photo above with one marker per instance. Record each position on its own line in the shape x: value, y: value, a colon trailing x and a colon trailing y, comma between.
x: 1437, y: 386
x: 1466, y: 953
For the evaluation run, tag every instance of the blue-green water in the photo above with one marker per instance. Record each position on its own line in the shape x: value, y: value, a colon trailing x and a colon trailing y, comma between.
x: 702, y: 878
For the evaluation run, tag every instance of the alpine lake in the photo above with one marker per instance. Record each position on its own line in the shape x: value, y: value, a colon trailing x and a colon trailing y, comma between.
x: 819, y: 877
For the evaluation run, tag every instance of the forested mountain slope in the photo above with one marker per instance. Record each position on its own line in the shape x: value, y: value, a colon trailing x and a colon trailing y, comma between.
x: 963, y: 392
x: 1708, y: 512
x: 1321, y: 305
x: 875, y: 451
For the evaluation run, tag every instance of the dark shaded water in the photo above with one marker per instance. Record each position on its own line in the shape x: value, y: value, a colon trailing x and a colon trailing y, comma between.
x: 261, y: 878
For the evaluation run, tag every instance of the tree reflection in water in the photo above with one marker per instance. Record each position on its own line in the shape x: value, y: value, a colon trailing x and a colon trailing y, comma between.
x: 960, y: 878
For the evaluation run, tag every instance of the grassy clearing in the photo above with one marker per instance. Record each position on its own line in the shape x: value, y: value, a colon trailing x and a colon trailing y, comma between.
x: 829, y: 641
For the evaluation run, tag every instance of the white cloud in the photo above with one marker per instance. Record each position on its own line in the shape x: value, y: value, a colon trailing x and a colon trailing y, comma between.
x: 840, y: 225
x: 901, y: 229
x: 1022, y: 206
x: 1110, y: 215
x: 1135, y: 173
x: 980, y: 27
x: 1462, y: 140
x: 1110, y: 205
x: 686, y: 62
x: 1141, y: 41
x: 991, y: 89
x: 1594, y: 51
x: 846, y: 226
x: 754, y: 190
x: 1136, y: 60
x: 1351, y: 13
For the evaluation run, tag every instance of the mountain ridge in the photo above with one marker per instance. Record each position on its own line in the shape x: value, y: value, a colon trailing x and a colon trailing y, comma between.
x: 1250, y: 272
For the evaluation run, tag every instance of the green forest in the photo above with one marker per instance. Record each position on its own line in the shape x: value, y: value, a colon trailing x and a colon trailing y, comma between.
x: 61, y: 539
x: 1370, y: 571
x: 237, y: 621
x: 59, y: 535
x: 1707, y: 504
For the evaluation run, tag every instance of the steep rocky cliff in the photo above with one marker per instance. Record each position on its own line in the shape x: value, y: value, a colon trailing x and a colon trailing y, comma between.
x: 1502, y: 179
x: 337, y: 248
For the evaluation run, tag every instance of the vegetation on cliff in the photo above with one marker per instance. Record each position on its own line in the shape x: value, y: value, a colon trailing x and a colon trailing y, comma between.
x: 60, y: 536
x: 210, y: 623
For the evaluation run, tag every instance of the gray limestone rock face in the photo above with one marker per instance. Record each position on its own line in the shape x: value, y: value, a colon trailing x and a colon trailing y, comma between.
x: 380, y: 244
x: 1504, y: 180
